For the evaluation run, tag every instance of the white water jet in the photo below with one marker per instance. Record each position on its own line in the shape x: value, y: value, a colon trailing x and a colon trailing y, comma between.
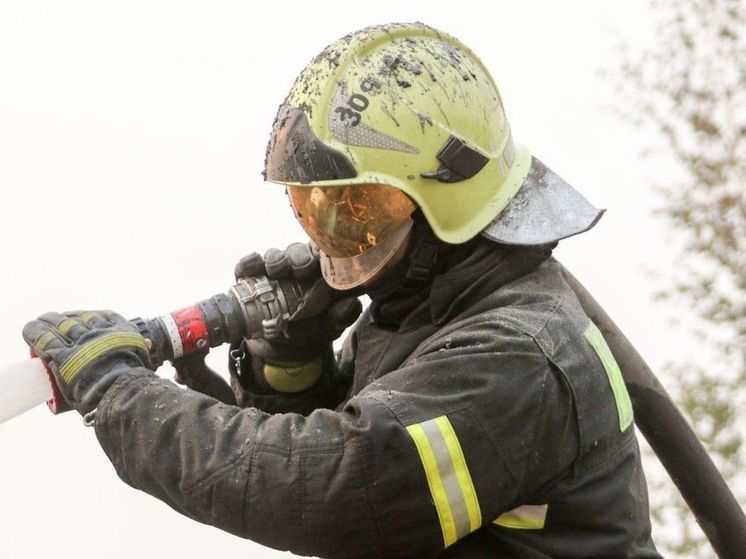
x: 23, y: 385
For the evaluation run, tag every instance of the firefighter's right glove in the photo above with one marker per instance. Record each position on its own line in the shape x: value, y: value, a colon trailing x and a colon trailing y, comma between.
x: 294, y: 362
x: 86, y: 352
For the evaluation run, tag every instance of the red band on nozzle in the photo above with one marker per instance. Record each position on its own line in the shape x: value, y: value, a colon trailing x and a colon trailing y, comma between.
x: 192, y: 329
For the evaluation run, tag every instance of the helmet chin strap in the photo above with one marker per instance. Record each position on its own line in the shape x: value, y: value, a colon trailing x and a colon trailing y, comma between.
x: 416, y: 269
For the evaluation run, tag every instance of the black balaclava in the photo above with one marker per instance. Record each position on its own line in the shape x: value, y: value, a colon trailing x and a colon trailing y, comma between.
x: 410, y: 281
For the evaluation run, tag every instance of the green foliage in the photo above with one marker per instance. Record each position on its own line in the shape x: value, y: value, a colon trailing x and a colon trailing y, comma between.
x: 690, y: 89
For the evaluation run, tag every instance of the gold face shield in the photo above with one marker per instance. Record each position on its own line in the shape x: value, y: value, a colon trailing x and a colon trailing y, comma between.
x: 359, y: 228
x: 346, y: 221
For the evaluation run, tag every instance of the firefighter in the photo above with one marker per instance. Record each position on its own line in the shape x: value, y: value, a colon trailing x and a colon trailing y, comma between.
x: 474, y: 409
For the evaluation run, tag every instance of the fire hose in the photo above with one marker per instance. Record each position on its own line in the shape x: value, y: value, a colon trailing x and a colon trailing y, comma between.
x: 258, y: 307
x: 672, y: 439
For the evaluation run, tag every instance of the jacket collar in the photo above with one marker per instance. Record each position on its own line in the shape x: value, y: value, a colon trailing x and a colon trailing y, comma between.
x: 463, y: 275
x: 486, y: 269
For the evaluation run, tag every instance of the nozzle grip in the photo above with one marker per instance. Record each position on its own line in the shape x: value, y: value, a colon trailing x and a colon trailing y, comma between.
x: 57, y: 403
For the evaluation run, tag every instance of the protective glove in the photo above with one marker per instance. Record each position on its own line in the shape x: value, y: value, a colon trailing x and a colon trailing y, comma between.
x: 86, y: 352
x: 294, y: 362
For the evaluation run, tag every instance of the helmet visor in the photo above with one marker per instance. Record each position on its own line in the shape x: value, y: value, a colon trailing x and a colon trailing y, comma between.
x: 346, y: 273
x: 346, y: 221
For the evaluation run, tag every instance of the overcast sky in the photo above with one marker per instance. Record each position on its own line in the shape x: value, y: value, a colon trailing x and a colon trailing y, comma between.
x: 132, y: 138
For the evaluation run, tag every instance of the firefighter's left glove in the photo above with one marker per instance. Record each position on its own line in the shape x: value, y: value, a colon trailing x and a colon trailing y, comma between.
x: 86, y: 352
x: 293, y: 362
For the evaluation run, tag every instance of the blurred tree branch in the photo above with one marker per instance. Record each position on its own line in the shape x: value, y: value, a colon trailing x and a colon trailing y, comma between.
x: 689, y: 88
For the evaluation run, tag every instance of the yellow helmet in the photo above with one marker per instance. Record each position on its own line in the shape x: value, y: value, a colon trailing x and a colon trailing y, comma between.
x: 402, y: 106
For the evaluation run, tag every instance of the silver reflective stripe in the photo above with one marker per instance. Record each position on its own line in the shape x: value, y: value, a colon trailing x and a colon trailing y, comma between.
x: 448, y: 476
x: 360, y: 134
x: 525, y: 517
x: 173, y: 334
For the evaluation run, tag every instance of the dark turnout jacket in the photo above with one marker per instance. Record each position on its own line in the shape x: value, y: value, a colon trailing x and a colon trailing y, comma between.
x: 488, y: 422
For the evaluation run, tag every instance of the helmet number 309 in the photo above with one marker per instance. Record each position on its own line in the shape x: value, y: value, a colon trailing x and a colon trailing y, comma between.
x: 355, y: 105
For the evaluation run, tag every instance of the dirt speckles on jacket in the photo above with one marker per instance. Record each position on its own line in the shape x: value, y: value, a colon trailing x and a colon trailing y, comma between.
x: 485, y: 403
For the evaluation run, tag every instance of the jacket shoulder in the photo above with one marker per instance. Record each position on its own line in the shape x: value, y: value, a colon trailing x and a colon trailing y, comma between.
x: 539, y: 313
x: 529, y: 305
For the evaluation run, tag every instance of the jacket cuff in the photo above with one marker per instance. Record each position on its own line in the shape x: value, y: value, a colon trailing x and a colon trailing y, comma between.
x: 126, y: 386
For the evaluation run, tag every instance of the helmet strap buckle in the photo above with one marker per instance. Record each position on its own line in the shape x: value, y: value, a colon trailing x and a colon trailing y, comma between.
x: 422, y: 261
x: 458, y: 162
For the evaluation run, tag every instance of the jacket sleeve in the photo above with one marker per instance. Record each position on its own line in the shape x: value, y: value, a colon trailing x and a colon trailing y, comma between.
x: 416, y: 461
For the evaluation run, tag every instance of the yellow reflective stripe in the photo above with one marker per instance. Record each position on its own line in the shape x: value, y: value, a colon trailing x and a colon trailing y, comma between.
x: 436, y: 484
x: 44, y: 340
x: 525, y: 517
x: 448, y: 477
x: 86, y: 316
x: 624, y: 406
x: 66, y: 325
x: 102, y: 345
x: 462, y: 472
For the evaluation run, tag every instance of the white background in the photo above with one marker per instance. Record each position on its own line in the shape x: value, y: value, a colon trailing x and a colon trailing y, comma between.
x: 132, y: 139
